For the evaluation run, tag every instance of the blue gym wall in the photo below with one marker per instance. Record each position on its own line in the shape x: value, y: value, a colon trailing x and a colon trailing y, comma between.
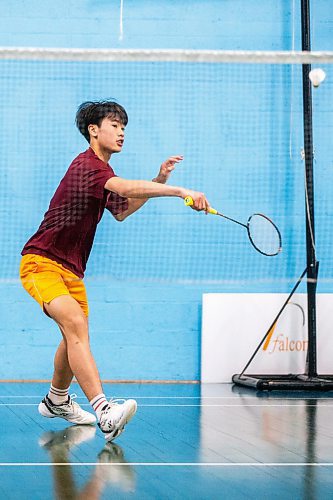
x: 139, y: 331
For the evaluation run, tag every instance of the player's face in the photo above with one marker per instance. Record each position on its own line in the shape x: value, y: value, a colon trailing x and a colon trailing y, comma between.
x: 111, y: 135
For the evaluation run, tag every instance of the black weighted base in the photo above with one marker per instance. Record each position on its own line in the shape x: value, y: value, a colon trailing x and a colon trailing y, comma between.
x: 285, y: 382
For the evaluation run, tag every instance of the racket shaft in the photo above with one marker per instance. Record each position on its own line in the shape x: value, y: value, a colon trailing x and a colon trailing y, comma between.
x: 232, y: 220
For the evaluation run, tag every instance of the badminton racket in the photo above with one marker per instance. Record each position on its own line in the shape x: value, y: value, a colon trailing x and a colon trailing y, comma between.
x: 263, y: 234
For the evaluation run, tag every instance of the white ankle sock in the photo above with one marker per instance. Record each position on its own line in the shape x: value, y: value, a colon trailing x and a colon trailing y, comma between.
x: 58, y: 396
x: 99, y: 403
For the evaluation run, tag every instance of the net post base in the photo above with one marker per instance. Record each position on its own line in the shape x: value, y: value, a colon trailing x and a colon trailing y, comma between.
x: 289, y: 382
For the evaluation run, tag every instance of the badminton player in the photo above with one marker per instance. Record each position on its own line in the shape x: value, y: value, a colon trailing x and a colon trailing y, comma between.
x: 55, y: 257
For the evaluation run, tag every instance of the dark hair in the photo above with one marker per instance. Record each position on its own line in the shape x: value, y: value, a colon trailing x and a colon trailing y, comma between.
x: 92, y: 113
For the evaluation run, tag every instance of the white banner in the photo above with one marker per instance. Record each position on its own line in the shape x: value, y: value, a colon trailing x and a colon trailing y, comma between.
x: 234, y: 324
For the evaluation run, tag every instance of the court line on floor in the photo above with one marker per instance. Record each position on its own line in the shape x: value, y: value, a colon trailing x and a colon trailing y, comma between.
x: 300, y: 398
x: 170, y: 464
x: 300, y: 405
x: 148, y: 397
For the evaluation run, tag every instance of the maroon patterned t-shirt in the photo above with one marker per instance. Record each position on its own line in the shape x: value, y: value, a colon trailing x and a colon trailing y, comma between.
x: 67, y: 231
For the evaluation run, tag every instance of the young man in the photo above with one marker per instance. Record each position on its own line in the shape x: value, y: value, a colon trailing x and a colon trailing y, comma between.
x: 54, y: 259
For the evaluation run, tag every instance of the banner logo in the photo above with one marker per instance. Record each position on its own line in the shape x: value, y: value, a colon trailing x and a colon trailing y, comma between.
x: 278, y: 341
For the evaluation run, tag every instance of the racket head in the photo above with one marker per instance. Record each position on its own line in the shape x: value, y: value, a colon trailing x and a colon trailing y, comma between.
x: 264, y: 235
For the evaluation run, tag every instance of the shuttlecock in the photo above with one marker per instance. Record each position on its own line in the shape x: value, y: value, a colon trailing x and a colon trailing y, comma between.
x: 317, y: 76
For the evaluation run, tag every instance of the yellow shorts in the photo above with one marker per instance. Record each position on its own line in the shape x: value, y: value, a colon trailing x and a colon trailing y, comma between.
x: 44, y: 279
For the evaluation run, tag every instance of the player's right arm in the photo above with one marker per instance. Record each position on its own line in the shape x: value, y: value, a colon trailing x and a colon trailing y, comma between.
x: 148, y: 189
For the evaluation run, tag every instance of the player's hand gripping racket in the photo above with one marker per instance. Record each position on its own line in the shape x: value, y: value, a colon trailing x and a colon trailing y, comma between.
x: 263, y: 234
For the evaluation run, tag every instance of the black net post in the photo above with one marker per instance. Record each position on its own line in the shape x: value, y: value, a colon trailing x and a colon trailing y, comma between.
x: 312, y: 267
x: 310, y: 379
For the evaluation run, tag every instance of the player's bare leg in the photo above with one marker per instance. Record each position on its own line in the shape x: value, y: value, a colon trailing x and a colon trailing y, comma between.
x: 63, y: 375
x: 73, y: 357
x: 73, y: 324
x: 67, y: 313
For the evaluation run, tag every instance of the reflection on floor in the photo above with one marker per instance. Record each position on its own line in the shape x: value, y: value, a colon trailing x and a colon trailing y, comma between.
x: 186, y: 441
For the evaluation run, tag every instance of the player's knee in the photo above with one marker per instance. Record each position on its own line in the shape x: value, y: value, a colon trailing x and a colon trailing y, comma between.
x: 76, y: 325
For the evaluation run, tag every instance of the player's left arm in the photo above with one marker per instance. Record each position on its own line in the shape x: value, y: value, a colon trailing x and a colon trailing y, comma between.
x: 135, y: 204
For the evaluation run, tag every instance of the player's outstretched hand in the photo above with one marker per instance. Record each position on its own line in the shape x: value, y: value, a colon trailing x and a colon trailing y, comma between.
x: 200, y: 201
x: 166, y: 168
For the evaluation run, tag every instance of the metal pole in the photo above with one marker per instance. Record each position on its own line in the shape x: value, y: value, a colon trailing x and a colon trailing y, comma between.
x: 312, y: 266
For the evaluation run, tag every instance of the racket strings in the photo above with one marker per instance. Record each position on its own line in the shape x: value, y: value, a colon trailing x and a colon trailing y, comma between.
x: 264, y: 235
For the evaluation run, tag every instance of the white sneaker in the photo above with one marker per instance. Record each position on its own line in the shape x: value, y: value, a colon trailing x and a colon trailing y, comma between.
x: 70, y: 411
x: 115, y: 416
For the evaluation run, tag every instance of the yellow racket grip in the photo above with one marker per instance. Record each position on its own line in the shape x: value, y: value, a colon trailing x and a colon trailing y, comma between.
x: 189, y: 202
